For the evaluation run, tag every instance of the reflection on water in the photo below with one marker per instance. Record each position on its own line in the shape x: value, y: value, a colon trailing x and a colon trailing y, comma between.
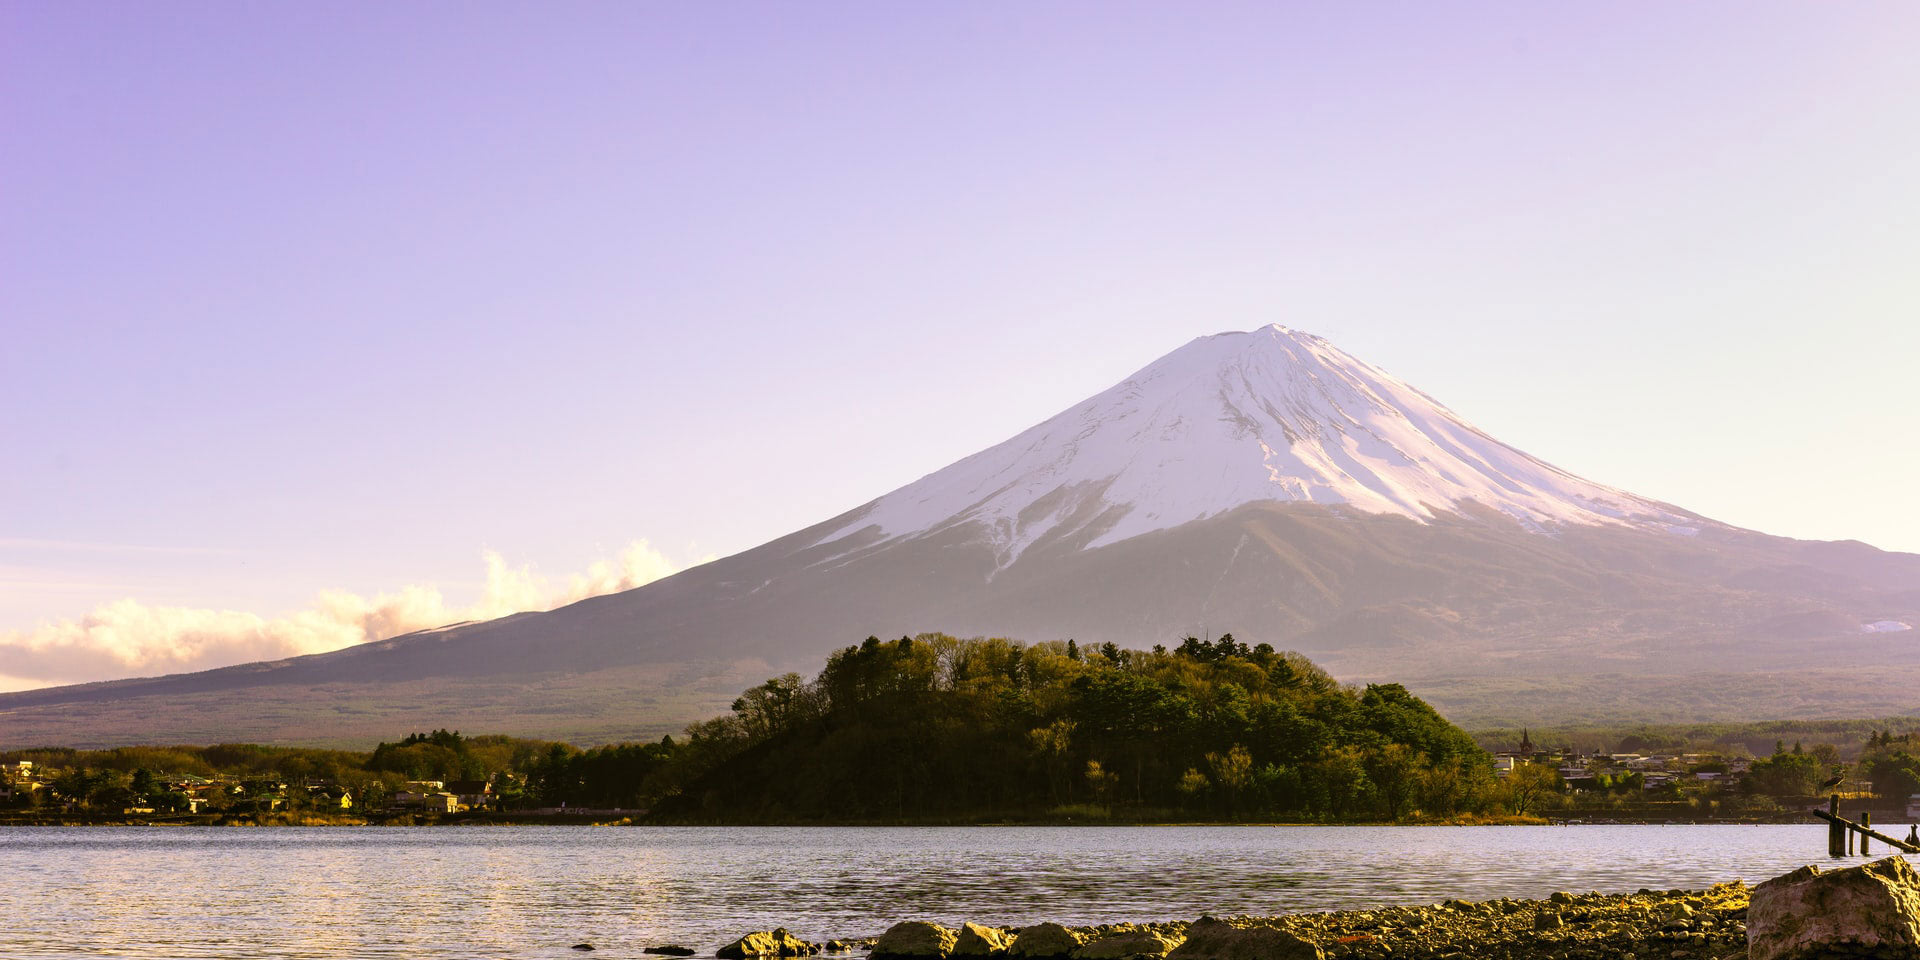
x: 525, y: 892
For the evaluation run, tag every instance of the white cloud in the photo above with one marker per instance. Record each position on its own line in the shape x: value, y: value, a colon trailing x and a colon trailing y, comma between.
x: 127, y: 638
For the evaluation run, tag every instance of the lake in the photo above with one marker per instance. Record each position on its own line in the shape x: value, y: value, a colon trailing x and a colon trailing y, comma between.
x: 524, y: 892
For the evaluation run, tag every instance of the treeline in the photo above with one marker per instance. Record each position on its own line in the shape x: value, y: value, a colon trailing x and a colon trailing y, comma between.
x: 1888, y: 763
x: 937, y: 728
x: 933, y: 726
x: 1729, y: 739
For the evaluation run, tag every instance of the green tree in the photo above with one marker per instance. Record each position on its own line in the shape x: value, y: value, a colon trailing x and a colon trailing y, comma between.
x: 1785, y: 774
x: 1343, y: 773
x: 1193, y: 784
x: 1100, y: 780
x: 1529, y: 785
x: 1395, y: 771
x: 1894, y: 774
x: 1232, y: 772
x: 82, y: 786
x: 775, y: 706
x: 1052, y: 743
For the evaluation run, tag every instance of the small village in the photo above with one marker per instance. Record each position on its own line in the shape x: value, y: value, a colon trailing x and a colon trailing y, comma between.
x: 1648, y: 773
x: 24, y: 786
x: 1705, y: 784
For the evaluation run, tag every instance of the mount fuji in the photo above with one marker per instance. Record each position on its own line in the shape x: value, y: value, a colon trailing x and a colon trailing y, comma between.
x: 1271, y: 416
x: 1264, y: 483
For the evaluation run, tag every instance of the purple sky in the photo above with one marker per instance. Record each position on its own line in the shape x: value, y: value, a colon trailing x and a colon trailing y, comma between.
x: 334, y: 296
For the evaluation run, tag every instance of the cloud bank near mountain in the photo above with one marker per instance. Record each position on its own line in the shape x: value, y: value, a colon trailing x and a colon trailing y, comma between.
x: 127, y: 638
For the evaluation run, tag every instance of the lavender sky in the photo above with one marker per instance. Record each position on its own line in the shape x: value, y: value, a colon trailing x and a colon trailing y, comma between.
x: 335, y: 297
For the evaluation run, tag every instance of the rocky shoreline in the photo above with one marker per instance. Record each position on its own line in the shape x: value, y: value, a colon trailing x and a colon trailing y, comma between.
x: 1865, y: 912
x: 1664, y: 924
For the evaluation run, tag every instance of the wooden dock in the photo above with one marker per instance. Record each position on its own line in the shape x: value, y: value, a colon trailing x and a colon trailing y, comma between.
x: 1841, y: 831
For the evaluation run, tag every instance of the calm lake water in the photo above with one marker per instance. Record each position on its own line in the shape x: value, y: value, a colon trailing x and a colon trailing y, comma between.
x: 523, y: 892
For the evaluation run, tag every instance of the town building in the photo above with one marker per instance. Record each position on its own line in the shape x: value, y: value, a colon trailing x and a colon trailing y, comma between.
x: 473, y: 794
x: 437, y: 801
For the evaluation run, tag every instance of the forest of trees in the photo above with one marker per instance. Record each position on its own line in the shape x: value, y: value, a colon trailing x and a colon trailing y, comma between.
x: 934, y: 726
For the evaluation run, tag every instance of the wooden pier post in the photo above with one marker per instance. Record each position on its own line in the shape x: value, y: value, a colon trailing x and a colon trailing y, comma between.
x: 1844, y: 824
x: 1866, y: 820
x: 1836, y: 834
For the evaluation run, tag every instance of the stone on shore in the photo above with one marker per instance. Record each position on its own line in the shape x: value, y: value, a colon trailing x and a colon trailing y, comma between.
x: 978, y: 941
x: 1872, y: 910
x: 1045, y: 941
x: 768, y: 943
x: 1209, y: 938
x: 915, y: 940
x: 1644, y: 926
x: 670, y: 950
x: 1132, y: 943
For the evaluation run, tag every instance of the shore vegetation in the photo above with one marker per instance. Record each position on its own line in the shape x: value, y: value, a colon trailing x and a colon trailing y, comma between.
x: 938, y: 729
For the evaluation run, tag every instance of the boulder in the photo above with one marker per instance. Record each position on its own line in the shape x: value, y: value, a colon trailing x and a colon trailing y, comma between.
x: 1872, y: 910
x: 978, y: 941
x: 1209, y: 938
x: 1133, y: 943
x: 768, y: 943
x: 670, y: 950
x: 915, y: 940
x: 1045, y: 941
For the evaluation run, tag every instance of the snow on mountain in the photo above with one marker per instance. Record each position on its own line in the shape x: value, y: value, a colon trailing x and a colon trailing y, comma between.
x: 1271, y: 414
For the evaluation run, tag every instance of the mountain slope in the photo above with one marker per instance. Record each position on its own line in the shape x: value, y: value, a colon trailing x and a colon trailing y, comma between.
x: 1264, y: 483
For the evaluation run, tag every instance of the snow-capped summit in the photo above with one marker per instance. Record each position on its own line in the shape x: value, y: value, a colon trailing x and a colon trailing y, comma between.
x: 1272, y: 414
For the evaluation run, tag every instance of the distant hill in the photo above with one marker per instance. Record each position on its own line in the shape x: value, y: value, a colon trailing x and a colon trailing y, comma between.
x: 1265, y: 483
